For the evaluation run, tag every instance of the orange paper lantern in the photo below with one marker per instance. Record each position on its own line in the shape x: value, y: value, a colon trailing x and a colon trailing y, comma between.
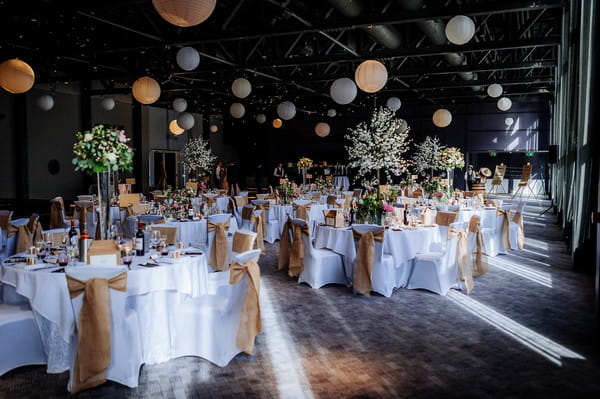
x: 16, y: 76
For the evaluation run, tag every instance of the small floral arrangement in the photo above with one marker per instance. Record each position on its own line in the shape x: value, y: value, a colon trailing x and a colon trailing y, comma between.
x: 451, y: 158
x: 101, y: 148
x: 323, y: 185
x: 179, y: 201
x: 388, y: 208
x: 197, y: 156
x: 432, y: 186
x: 304, y: 163
x: 370, y: 203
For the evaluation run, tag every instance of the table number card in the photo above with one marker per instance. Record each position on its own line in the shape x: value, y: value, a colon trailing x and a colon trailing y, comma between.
x: 104, y: 252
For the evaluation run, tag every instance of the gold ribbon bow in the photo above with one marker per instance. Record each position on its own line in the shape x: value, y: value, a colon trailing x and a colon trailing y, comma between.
x: 93, y: 346
x: 250, y: 323
x: 247, y: 212
x: 463, y: 258
x: 296, y: 265
x: 257, y: 220
x: 518, y: 219
x: 363, y: 264
x: 209, y: 200
x: 56, y: 213
x: 480, y: 266
x: 445, y: 218
x: 505, y: 226
x: 302, y: 211
x: 218, y: 250
x: 24, y: 237
x: 284, y: 245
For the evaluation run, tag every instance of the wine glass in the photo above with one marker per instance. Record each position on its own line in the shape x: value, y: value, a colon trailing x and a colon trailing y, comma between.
x: 64, y: 239
x: 155, y: 240
x: 63, y: 258
x: 164, y: 248
x: 128, y: 258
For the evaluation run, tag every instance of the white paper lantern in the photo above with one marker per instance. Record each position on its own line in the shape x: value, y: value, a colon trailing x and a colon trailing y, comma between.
x: 331, y: 112
x: 179, y: 104
x: 504, y: 104
x: 237, y: 110
x: 442, y: 117
x: 509, y: 121
x: 45, y: 102
x: 494, y: 90
x: 460, y: 29
x: 187, y: 58
x: 403, y: 126
x: 213, y: 128
x: 371, y: 76
x: 343, y: 91
x: 184, y: 13
x: 146, y: 90
x: 186, y: 120
x: 322, y: 129
x: 241, y: 88
x: 16, y: 76
x: 108, y: 104
x: 175, y: 128
x: 286, y: 110
x: 394, y: 103
x: 261, y: 118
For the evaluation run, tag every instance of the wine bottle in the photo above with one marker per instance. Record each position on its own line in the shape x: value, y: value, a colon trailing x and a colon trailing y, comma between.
x: 73, y: 234
x: 139, y: 241
x: 84, y: 243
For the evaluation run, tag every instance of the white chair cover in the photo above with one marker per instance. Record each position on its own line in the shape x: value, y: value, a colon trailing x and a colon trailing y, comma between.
x: 384, y: 276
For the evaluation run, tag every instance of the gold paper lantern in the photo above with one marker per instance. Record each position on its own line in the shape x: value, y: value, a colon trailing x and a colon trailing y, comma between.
x: 146, y: 90
x: 16, y: 76
x: 442, y: 117
x: 175, y: 128
x: 214, y: 128
x: 277, y: 123
x: 322, y: 129
x: 371, y: 76
x: 184, y: 13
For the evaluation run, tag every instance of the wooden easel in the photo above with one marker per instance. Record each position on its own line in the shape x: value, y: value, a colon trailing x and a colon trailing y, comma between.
x: 498, y: 179
x: 524, y: 182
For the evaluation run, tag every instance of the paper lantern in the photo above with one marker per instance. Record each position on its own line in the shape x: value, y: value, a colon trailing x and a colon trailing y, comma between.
x: 343, y: 91
x: 213, y: 128
x: 460, y: 29
x: 237, y: 110
x: 509, y: 121
x: 45, y: 102
x: 16, y: 76
x: 504, y: 104
x: 108, y: 104
x: 371, y: 76
x: 322, y: 129
x: 394, y: 103
x: 277, y: 123
x: 286, y: 110
x: 187, y: 58
x: 184, y: 13
x: 331, y: 113
x: 179, y: 104
x: 146, y: 90
x: 175, y: 128
x: 442, y: 117
x: 241, y: 88
x: 494, y: 90
x: 261, y: 118
x: 186, y: 120
x: 403, y: 126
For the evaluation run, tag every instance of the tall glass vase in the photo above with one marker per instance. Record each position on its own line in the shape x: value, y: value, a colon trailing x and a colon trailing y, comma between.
x: 450, y: 175
x: 104, y: 195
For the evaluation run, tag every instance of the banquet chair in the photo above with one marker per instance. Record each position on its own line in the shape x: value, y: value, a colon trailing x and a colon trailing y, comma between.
x: 234, y: 210
x: 444, y: 220
x: 242, y: 241
x: 5, y: 221
x: 125, y: 336
x: 58, y: 219
x: 169, y: 232
x: 321, y: 266
x: 331, y: 201
x: 271, y: 223
x: 21, y: 344
x: 437, y: 271
x: 516, y: 226
x: 500, y: 245
x: 218, y: 218
x: 384, y: 274
x: 247, y: 212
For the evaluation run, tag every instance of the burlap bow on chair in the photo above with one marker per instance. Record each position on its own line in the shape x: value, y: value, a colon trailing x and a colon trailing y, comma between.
x: 505, y: 226
x: 297, y: 254
x: 24, y: 237
x: 56, y: 213
x: 209, y: 200
x: 94, y: 329
x: 302, y: 211
x: 250, y: 323
x: 445, y: 218
x: 331, y: 200
x: 218, y: 250
x: 257, y: 220
x: 518, y: 219
x: 285, y: 245
x: 480, y: 265
x: 463, y: 258
x: 365, y: 253
x: 265, y: 208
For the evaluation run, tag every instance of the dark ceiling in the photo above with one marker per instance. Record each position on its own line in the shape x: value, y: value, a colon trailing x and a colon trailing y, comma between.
x: 291, y: 49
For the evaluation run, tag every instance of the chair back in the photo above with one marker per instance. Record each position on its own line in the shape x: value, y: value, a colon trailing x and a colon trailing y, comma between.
x: 127, y: 199
x: 357, y: 193
x: 364, y: 228
x: 243, y: 240
x: 243, y: 193
x: 85, y: 197
x: 520, y: 207
x: 169, y: 232
x: 5, y: 218
x: 243, y: 257
x: 219, y: 218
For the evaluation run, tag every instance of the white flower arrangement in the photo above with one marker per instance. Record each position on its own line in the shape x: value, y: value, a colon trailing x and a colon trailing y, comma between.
x: 378, y: 145
x: 197, y: 156
x: 427, y: 156
x: 452, y: 158
x: 101, y: 149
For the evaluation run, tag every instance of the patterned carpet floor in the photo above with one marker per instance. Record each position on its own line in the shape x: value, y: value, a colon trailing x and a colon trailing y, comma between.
x: 527, y: 330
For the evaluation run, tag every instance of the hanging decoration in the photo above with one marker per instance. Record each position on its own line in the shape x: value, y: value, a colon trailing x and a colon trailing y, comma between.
x: 277, y: 123
x: 184, y: 13
x: 16, y: 76
x: 186, y: 120
x: 286, y: 110
x: 175, y: 128
x: 343, y: 91
x: 45, y: 102
x: 146, y: 90
x: 322, y: 129
x: 179, y: 104
x: 213, y: 128
x: 371, y: 76
x: 331, y: 112
x: 504, y: 104
x: 460, y: 29
x: 237, y: 110
x: 393, y: 103
x: 442, y: 117
x: 509, y: 121
x: 188, y: 58
x: 108, y: 104
x: 261, y: 118
x: 241, y: 88
x: 494, y: 90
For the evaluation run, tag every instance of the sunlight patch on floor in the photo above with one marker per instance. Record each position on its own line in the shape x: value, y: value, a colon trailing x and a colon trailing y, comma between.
x: 538, y: 343
x: 540, y: 277
x: 532, y: 242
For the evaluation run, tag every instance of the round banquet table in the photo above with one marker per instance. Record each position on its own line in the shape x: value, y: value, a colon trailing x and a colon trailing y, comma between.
x: 341, y: 181
x: 193, y: 231
x: 315, y: 214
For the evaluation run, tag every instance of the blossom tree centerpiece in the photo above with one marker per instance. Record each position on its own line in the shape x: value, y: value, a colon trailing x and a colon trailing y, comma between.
x: 100, y: 151
x: 197, y: 156
x: 451, y: 158
x: 427, y: 156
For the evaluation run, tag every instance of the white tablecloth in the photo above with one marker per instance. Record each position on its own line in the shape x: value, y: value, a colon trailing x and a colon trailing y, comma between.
x: 195, y: 230
x: 221, y: 202
x: 315, y: 215
x: 341, y: 181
